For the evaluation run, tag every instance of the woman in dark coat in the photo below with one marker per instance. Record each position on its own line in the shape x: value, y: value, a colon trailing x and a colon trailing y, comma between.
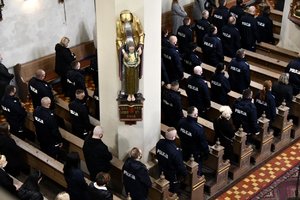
x: 282, y: 90
x: 76, y: 185
x: 30, y: 190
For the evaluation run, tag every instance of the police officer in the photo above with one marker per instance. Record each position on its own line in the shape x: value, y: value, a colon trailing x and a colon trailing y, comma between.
x: 39, y: 88
x: 231, y: 38
x: 75, y: 81
x: 293, y: 69
x: 248, y: 30
x: 171, y: 105
x: 212, y: 48
x: 191, y: 59
x: 245, y: 114
x: 172, y: 60
x: 265, y: 26
x: 170, y: 160
x: 239, y: 72
x: 202, y: 28
x: 5, y: 77
x: 220, y: 16
x: 14, y: 111
x: 237, y: 11
x: 46, y: 129
x: 185, y: 35
x: 192, y: 138
x: 197, y: 92
x: 220, y: 86
x: 79, y: 115
x: 136, y: 178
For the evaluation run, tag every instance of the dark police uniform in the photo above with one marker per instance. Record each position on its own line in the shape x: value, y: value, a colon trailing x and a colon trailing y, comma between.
x: 136, y: 179
x: 265, y: 28
x: 244, y: 113
x: 282, y: 92
x: 231, y: 40
x: 198, y: 94
x: 172, y: 62
x: 192, y: 140
x: 39, y: 89
x: 79, y: 118
x: 164, y: 74
x: 293, y: 69
x: 267, y: 105
x: 201, y: 29
x: 220, y: 87
x: 5, y: 78
x: 170, y: 162
x: 185, y: 38
x: 171, y: 107
x: 47, y: 132
x: 212, y: 50
x: 249, y: 32
x: 15, y: 114
x: 189, y: 61
x: 220, y: 17
x: 237, y: 11
x: 75, y: 81
x: 239, y: 74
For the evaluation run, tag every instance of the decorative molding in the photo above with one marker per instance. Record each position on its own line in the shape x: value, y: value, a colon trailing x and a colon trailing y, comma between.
x: 294, y: 14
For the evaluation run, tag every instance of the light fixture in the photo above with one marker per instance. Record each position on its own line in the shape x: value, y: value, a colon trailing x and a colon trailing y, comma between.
x: 1, y: 6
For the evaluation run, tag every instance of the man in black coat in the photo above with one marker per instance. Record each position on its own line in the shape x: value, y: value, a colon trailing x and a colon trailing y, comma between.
x: 39, y: 88
x: 171, y: 105
x: 239, y: 72
x: 170, y: 160
x: 220, y: 16
x: 96, y: 153
x: 79, y: 113
x: 197, y: 91
x: 185, y: 36
x: 237, y: 11
x: 265, y: 26
x: 191, y: 59
x: 192, y: 138
x: 202, y: 28
x: 136, y: 178
x: 14, y: 111
x: 5, y: 78
x: 46, y: 129
x: 293, y: 69
x: 97, y: 190
x: 75, y: 81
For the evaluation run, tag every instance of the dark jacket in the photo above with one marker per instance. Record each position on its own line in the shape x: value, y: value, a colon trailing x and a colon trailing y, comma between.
x: 185, y: 38
x: 189, y: 61
x: 249, y: 32
x: 239, y: 74
x: 293, y: 69
x: 96, y: 155
x: 5, y: 78
x: 201, y: 29
x: 136, y: 179
x: 63, y: 59
x: 96, y: 194
x: 237, y: 11
x: 265, y: 28
x: 231, y: 40
x: 7, y: 182
x: 282, y: 92
x: 75, y: 81
x: 197, y: 92
x: 220, y: 87
x: 220, y: 17
x: 267, y: 105
x: 76, y: 185
x: 212, y: 50
x: 192, y: 139
x: 164, y: 74
x: 25, y: 194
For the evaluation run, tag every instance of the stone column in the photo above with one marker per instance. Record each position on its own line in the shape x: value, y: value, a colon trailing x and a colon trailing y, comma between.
x: 120, y: 137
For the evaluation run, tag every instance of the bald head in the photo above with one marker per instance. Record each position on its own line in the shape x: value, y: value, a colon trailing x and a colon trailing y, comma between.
x: 40, y: 74
x: 251, y: 10
x: 198, y: 70
x: 46, y: 102
x: 205, y: 14
x: 98, y: 132
x: 231, y: 20
x: 171, y: 133
x: 173, y: 39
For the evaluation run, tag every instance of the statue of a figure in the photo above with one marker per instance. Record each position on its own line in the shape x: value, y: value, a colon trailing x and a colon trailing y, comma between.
x: 130, y: 43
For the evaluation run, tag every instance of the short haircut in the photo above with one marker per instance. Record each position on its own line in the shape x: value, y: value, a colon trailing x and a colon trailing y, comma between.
x: 74, y: 64
x: 186, y: 20
x: 135, y: 153
x: 9, y: 89
x: 174, y: 83
x: 79, y: 91
x: 284, y: 78
x: 212, y: 29
x: 62, y: 196
x: 102, y: 178
x: 171, y: 133
x: 191, y: 110
x: 240, y: 53
x: 219, y: 67
x: 40, y: 73
x: 247, y: 93
x: 4, y: 128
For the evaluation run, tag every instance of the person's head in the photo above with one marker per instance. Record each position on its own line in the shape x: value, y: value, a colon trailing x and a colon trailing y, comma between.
x: 79, y: 94
x: 239, y: 2
x: 164, y: 32
x: 232, y: 20
x: 192, y: 112
x: 240, y: 53
x: 32, y: 182
x: 198, y: 70
x: 219, y: 68
x: 175, y: 85
x: 284, y: 78
x: 126, y: 16
x: 136, y: 153
x: 187, y: 21
x: 171, y: 133
x: 173, y: 40
x: 205, y: 14
x: 267, y: 86
x: 102, y: 178
x: 212, y: 30
x: 64, y: 41
x: 4, y: 129
x: 247, y: 93
x: 62, y: 196
x: 98, y: 132
x: 10, y: 90
x: 225, y: 112
x: 266, y: 10
x: 3, y: 161
x: 72, y: 162
x: 222, y: 2
x: 252, y: 10
x: 40, y: 74
x: 46, y: 102
x: 75, y: 65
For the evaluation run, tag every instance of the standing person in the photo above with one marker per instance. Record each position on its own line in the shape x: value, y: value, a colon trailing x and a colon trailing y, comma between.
x: 79, y: 113
x: 220, y: 86
x: 39, y: 88
x: 237, y: 10
x: 202, y: 28
x: 178, y: 14
x: 198, y: 8
x: 5, y: 77
x: 293, y: 69
x: 248, y: 29
x: 191, y: 59
x: 265, y: 102
x: 63, y: 59
x: 97, y: 190
x: 75, y: 81
x: 76, y: 185
x: 239, y: 72
x: 170, y: 160
x: 6, y: 182
x: 197, y: 92
x: 96, y: 153
x: 14, y: 111
x: 46, y: 129
x: 30, y: 189
x: 220, y: 16
x: 135, y: 176
x: 185, y: 36
x: 192, y: 138
x: 265, y: 26
x: 282, y: 90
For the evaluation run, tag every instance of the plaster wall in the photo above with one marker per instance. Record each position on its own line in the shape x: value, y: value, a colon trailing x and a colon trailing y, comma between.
x: 166, y: 4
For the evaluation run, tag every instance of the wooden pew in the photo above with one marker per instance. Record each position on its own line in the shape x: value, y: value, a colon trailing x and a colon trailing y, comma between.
x: 276, y: 15
x: 295, y: 111
x: 276, y: 52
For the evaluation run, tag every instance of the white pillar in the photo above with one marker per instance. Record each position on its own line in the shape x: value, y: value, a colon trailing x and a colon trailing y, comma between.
x: 120, y: 137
